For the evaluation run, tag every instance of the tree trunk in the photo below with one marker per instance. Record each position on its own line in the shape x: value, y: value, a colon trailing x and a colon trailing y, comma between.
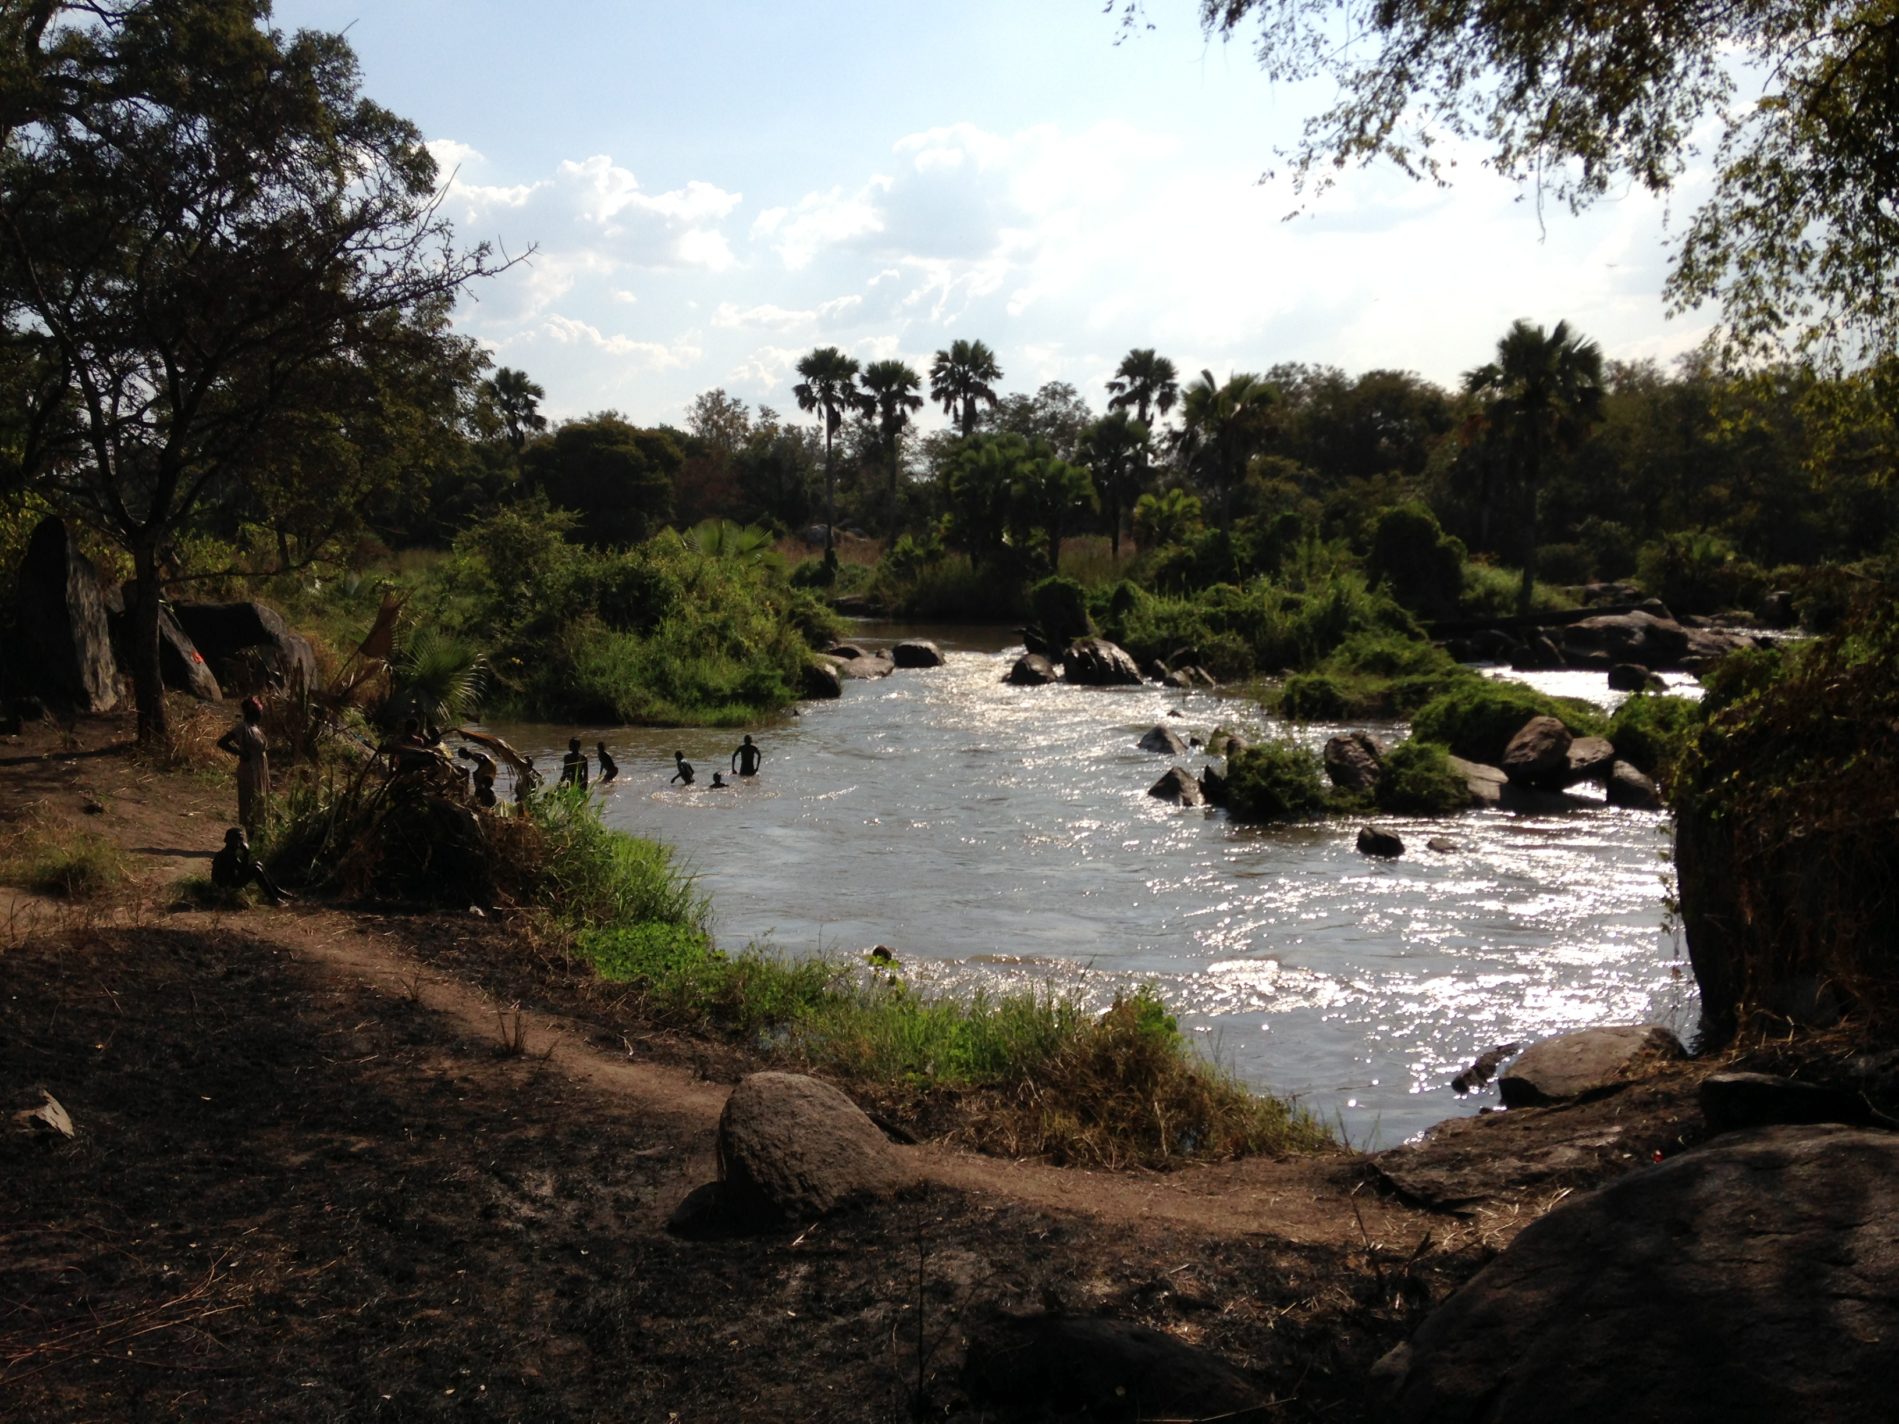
x: 830, y: 494
x: 891, y: 532
x: 1527, y: 589
x: 148, y: 685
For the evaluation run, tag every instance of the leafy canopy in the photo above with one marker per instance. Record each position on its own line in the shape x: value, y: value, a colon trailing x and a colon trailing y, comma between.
x: 1798, y: 238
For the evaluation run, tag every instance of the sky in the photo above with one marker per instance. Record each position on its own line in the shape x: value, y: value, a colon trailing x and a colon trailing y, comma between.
x: 708, y: 192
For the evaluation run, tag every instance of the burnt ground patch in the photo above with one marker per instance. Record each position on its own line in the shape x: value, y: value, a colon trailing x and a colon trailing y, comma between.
x: 298, y: 1198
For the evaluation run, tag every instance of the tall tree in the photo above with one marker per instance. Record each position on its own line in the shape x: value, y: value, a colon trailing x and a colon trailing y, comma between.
x: 517, y: 400
x: 1047, y: 493
x: 830, y: 388
x: 1115, y: 449
x: 1543, y: 392
x: 1055, y: 413
x: 891, y: 390
x: 616, y: 477
x: 1146, y: 382
x: 199, y: 219
x: 1797, y: 237
x: 1223, y: 426
x: 961, y: 377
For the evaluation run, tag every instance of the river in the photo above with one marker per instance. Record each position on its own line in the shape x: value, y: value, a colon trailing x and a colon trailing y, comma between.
x: 1003, y: 836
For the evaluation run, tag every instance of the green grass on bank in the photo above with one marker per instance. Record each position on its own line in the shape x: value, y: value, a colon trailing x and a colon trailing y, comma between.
x: 1032, y: 1071
x: 62, y: 865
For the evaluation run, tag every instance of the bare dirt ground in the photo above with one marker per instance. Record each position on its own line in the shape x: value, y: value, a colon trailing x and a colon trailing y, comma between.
x: 332, y: 1163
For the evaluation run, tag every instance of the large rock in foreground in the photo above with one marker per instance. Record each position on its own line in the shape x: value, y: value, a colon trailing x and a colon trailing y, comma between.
x: 1538, y: 755
x: 1095, y: 662
x: 1756, y: 1278
x: 794, y: 1149
x: 62, y: 615
x: 1179, y: 786
x: 1587, y: 1061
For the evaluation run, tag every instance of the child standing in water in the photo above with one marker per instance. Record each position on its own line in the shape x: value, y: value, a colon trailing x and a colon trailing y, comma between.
x: 683, y: 769
x: 609, y: 768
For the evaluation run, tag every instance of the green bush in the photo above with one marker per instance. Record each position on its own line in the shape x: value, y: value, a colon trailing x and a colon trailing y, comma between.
x: 1421, y: 564
x: 1274, y: 781
x: 1651, y: 732
x: 1477, y: 718
x: 1315, y: 697
x: 1419, y: 781
x: 1565, y: 563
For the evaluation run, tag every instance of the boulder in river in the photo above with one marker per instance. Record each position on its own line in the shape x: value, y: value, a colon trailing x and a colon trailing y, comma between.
x: 1213, y: 786
x: 1639, y: 637
x: 1355, y: 762
x: 1586, y: 1062
x: 1629, y: 787
x: 1165, y: 741
x: 1096, y: 662
x: 1031, y: 670
x: 1178, y: 785
x: 1590, y: 759
x: 1628, y: 677
x: 1538, y: 755
x: 1754, y: 1278
x: 1379, y: 841
x: 821, y: 678
x: 917, y: 653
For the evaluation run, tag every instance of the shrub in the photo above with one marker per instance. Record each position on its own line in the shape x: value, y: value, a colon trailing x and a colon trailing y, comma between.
x: 1565, y: 563
x: 1314, y: 697
x: 1421, y: 564
x: 1274, y: 781
x: 1418, y: 780
x: 1477, y: 718
x: 1785, y: 806
x: 1651, y: 732
x: 63, y: 865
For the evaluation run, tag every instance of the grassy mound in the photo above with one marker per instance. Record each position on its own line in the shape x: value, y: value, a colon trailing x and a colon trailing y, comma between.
x: 1274, y: 781
x: 1477, y: 718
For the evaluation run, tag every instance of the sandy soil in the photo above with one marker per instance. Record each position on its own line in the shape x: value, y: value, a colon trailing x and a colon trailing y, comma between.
x: 332, y: 1163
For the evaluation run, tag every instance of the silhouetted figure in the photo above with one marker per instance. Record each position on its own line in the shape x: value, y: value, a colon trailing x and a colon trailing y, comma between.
x: 525, y: 780
x: 683, y: 769
x: 719, y: 783
x: 573, y: 766
x: 234, y: 867
x: 246, y: 742
x: 484, y: 776
x: 609, y: 768
x: 746, y: 757
x: 410, y: 753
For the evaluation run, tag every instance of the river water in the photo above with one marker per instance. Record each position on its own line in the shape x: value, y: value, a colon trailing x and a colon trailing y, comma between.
x: 1003, y: 837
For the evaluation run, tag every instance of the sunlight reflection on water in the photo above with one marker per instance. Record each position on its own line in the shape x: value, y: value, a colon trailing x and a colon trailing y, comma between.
x: 998, y: 836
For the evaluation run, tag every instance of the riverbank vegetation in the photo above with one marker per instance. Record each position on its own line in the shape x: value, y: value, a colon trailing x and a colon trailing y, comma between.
x: 1025, y: 1073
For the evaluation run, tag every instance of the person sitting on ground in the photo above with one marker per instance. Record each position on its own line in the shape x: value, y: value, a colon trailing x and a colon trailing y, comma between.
x: 719, y: 783
x: 234, y: 867
x: 573, y: 766
x: 683, y: 771
x: 247, y: 743
x: 609, y: 768
x: 746, y: 757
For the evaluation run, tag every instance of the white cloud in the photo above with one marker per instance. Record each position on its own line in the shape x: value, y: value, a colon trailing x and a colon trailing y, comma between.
x: 647, y: 355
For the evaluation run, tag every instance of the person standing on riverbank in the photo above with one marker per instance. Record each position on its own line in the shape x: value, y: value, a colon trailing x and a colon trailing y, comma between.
x: 246, y: 742
x: 746, y: 757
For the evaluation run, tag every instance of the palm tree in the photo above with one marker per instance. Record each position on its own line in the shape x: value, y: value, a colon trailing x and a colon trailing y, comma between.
x: 890, y: 391
x: 830, y: 387
x: 1542, y: 392
x: 517, y: 400
x: 1115, y: 448
x: 960, y: 376
x: 1146, y: 382
x: 1222, y: 428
